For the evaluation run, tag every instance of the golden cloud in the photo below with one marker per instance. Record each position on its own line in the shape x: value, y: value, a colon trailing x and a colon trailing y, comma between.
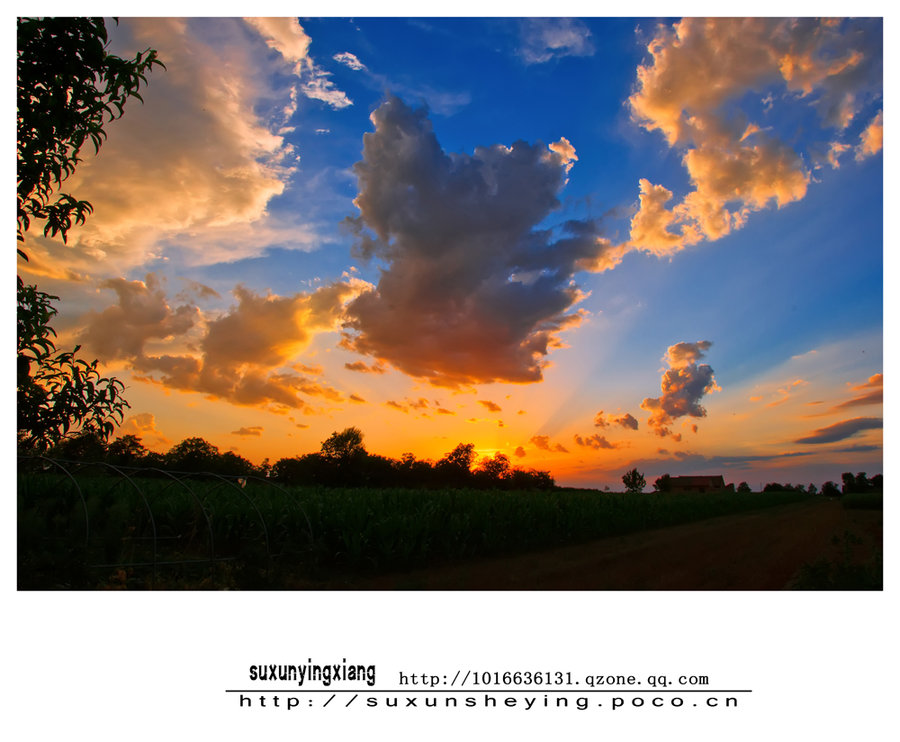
x: 243, y: 356
x: 692, y: 91
x: 195, y: 158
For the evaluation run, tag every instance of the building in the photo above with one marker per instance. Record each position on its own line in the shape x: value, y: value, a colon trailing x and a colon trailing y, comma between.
x: 704, y: 483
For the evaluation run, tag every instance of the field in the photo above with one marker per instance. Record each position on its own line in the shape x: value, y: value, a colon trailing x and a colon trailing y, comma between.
x: 129, y: 530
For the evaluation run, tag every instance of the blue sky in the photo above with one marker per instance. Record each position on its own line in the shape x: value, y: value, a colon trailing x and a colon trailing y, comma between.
x: 521, y: 233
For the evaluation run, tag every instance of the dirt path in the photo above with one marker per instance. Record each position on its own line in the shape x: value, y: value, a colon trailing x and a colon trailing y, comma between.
x: 762, y: 550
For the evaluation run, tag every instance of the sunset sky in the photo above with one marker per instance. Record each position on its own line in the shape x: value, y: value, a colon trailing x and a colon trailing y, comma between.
x: 587, y: 244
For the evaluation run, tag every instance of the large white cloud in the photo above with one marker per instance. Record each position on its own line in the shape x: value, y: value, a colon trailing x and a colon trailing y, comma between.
x: 198, y: 162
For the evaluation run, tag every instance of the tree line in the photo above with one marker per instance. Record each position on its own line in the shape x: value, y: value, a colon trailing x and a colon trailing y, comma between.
x: 851, y: 483
x: 341, y: 461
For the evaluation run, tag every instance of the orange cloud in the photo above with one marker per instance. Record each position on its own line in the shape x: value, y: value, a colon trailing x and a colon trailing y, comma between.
x: 691, y: 91
x: 196, y: 158
x: 595, y: 441
x: 253, y: 430
x: 786, y: 392
x: 626, y: 421
x: 143, y: 314
x: 143, y: 425
x: 491, y: 406
x: 244, y: 355
x: 543, y: 442
x: 365, y: 368
x: 871, y: 140
x: 875, y: 383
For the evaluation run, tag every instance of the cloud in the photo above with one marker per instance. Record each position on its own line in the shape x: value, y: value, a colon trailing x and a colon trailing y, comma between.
x: 626, y: 421
x: 288, y: 38
x: 870, y: 141
x: 519, y: 452
x: 421, y: 405
x: 696, y: 90
x: 365, y: 368
x: 699, y: 462
x: 543, y: 39
x: 840, y: 431
x: 595, y: 441
x: 143, y: 425
x: 473, y: 292
x: 875, y: 383
x: 243, y: 356
x: 201, y: 155
x: 318, y: 86
x: 543, y: 442
x: 253, y: 430
x: 491, y: 406
x: 143, y: 314
x: 349, y: 60
x: 786, y: 392
x: 683, y: 385
x: 835, y: 150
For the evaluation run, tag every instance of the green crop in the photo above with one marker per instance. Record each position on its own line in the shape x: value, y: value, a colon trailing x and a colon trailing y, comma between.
x: 162, y: 532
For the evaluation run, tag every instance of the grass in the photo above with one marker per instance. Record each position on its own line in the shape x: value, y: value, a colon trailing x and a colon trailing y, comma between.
x: 111, y: 531
x: 863, y: 500
x: 845, y: 573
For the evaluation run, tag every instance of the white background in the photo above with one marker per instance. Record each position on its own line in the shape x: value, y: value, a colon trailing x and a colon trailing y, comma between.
x: 112, y: 666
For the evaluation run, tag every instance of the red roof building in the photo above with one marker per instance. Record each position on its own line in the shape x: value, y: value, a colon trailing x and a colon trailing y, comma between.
x: 714, y: 483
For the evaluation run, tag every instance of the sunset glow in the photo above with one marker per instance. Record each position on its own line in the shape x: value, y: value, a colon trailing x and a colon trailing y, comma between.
x: 589, y: 245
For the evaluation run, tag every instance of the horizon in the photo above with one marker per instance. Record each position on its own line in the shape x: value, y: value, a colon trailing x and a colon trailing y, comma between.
x: 548, y: 239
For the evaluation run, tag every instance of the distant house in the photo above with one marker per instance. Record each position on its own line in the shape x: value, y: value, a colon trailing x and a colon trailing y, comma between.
x: 714, y: 483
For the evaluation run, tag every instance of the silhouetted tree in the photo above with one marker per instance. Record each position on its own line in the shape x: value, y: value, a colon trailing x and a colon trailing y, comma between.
x: 298, y: 470
x: 343, y: 446
x: 531, y: 479
x: 830, y: 489
x: 454, y: 470
x: 461, y: 457
x: 877, y: 483
x: 663, y: 483
x: 84, y: 446
x: 192, y: 454
x: 744, y: 488
x: 849, y: 483
x: 57, y: 393
x: 634, y: 481
x: 231, y: 464
x: 812, y: 489
x: 493, y: 472
x: 127, y: 450
x: 68, y: 87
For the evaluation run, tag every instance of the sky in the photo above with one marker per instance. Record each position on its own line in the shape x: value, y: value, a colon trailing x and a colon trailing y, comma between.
x: 587, y: 244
